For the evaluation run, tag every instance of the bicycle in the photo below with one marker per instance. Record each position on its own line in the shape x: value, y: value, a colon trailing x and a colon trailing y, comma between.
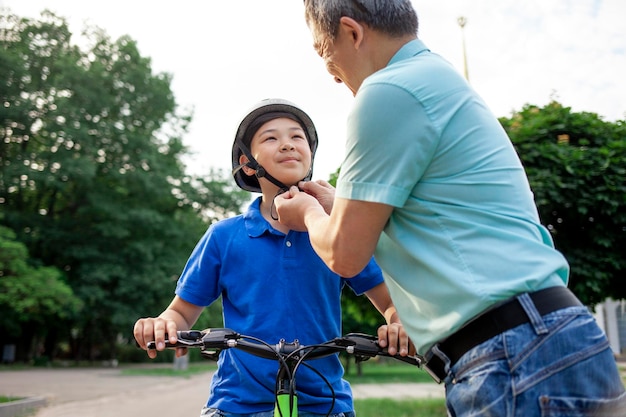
x: 290, y: 356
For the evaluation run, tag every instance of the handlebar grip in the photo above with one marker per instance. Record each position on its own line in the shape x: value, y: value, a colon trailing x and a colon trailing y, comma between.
x: 366, y: 346
x: 184, y: 338
x: 207, y: 339
x: 168, y: 345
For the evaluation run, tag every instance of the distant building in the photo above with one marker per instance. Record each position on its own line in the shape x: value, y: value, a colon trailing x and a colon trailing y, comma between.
x: 611, y: 316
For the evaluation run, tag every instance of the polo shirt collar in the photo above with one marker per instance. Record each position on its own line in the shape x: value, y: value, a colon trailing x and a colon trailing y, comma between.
x: 408, y: 50
x: 256, y: 225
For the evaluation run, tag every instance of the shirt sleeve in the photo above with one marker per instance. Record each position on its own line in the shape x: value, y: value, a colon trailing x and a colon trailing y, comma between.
x: 198, y: 283
x: 390, y: 141
x: 367, y: 279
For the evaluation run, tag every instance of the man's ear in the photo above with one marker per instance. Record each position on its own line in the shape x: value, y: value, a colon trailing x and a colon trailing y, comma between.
x: 243, y: 160
x: 353, y: 29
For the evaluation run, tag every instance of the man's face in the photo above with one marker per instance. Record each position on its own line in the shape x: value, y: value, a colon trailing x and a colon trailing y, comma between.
x: 338, y: 57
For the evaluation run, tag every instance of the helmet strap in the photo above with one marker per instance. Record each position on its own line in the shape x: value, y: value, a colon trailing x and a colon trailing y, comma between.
x: 260, y: 171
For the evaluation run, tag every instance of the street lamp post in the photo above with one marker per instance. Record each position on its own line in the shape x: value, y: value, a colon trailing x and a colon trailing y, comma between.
x: 462, y: 21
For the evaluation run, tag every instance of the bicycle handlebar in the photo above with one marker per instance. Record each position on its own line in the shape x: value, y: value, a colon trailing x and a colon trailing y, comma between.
x: 212, y: 341
x: 289, y: 354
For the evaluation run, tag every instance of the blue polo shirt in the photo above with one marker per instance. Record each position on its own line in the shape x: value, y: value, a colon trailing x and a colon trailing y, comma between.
x: 273, y: 286
x: 464, y: 233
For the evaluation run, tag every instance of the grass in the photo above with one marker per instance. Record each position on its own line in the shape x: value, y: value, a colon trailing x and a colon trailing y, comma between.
x: 386, y: 371
x: 374, y: 407
x: 4, y: 399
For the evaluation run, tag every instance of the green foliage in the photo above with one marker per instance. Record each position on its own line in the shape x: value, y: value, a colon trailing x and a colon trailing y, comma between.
x: 30, y: 295
x: 211, y: 317
x: 91, y: 178
x: 576, y: 164
x: 426, y: 407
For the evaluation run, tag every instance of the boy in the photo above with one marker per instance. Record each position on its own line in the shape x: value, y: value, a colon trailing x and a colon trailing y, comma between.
x: 273, y: 285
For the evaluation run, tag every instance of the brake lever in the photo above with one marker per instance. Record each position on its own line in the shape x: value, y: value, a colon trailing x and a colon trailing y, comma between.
x: 184, y: 338
x: 218, y: 337
x: 362, y: 344
x: 366, y: 346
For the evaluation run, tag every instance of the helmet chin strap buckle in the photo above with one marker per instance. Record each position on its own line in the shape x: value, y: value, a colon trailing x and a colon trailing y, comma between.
x: 262, y: 173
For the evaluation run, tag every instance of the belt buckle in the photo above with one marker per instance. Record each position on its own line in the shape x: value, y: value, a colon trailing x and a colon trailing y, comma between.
x: 425, y: 361
x: 432, y: 373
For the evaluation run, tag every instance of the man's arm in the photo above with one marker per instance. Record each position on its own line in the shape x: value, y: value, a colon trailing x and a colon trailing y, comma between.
x: 345, y: 240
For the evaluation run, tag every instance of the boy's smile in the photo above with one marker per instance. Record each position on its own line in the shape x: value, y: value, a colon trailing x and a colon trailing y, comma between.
x: 281, y: 147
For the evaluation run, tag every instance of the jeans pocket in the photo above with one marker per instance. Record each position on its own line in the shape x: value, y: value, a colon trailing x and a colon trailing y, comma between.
x: 583, y: 407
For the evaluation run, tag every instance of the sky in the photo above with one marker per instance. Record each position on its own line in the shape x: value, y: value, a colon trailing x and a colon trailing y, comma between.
x: 224, y: 56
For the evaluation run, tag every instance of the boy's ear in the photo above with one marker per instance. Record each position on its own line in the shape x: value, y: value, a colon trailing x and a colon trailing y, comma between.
x: 243, y: 160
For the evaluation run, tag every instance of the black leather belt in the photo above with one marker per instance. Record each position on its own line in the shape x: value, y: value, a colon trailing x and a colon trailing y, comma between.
x: 496, y: 321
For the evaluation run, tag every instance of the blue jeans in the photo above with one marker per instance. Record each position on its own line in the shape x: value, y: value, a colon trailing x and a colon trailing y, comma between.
x: 212, y: 412
x: 558, y: 365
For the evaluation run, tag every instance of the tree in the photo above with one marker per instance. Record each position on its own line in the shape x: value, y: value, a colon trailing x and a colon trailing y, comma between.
x: 576, y: 164
x: 30, y: 297
x: 91, y: 178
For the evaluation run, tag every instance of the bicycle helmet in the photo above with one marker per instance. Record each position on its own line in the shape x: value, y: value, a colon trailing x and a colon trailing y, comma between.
x: 259, y: 114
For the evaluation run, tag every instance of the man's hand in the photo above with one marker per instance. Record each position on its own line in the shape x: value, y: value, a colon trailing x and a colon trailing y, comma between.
x: 322, y: 191
x: 292, y: 207
x: 395, y: 339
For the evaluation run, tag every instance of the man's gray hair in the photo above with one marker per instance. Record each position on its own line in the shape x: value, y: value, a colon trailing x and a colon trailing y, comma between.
x: 392, y: 17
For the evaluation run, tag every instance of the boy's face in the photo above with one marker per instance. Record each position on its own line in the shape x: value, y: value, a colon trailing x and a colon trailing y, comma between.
x: 280, y: 146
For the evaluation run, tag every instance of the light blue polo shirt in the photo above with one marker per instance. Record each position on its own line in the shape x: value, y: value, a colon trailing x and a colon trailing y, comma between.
x: 273, y: 286
x: 464, y: 233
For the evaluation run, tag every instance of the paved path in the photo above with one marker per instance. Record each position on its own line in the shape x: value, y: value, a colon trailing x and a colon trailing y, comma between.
x: 107, y: 393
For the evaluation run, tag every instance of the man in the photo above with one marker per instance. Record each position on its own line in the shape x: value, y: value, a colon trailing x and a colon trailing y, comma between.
x: 432, y: 186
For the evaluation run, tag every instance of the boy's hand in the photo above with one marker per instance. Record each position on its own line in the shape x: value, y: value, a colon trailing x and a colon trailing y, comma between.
x: 395, y: 339
x: 154, y: 329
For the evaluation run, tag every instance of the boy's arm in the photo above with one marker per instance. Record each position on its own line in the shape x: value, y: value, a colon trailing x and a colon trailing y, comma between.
x: 179, y: 315
x: 392, y: 335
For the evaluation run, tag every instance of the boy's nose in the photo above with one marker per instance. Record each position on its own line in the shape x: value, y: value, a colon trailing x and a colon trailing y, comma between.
x: 287, y: 146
